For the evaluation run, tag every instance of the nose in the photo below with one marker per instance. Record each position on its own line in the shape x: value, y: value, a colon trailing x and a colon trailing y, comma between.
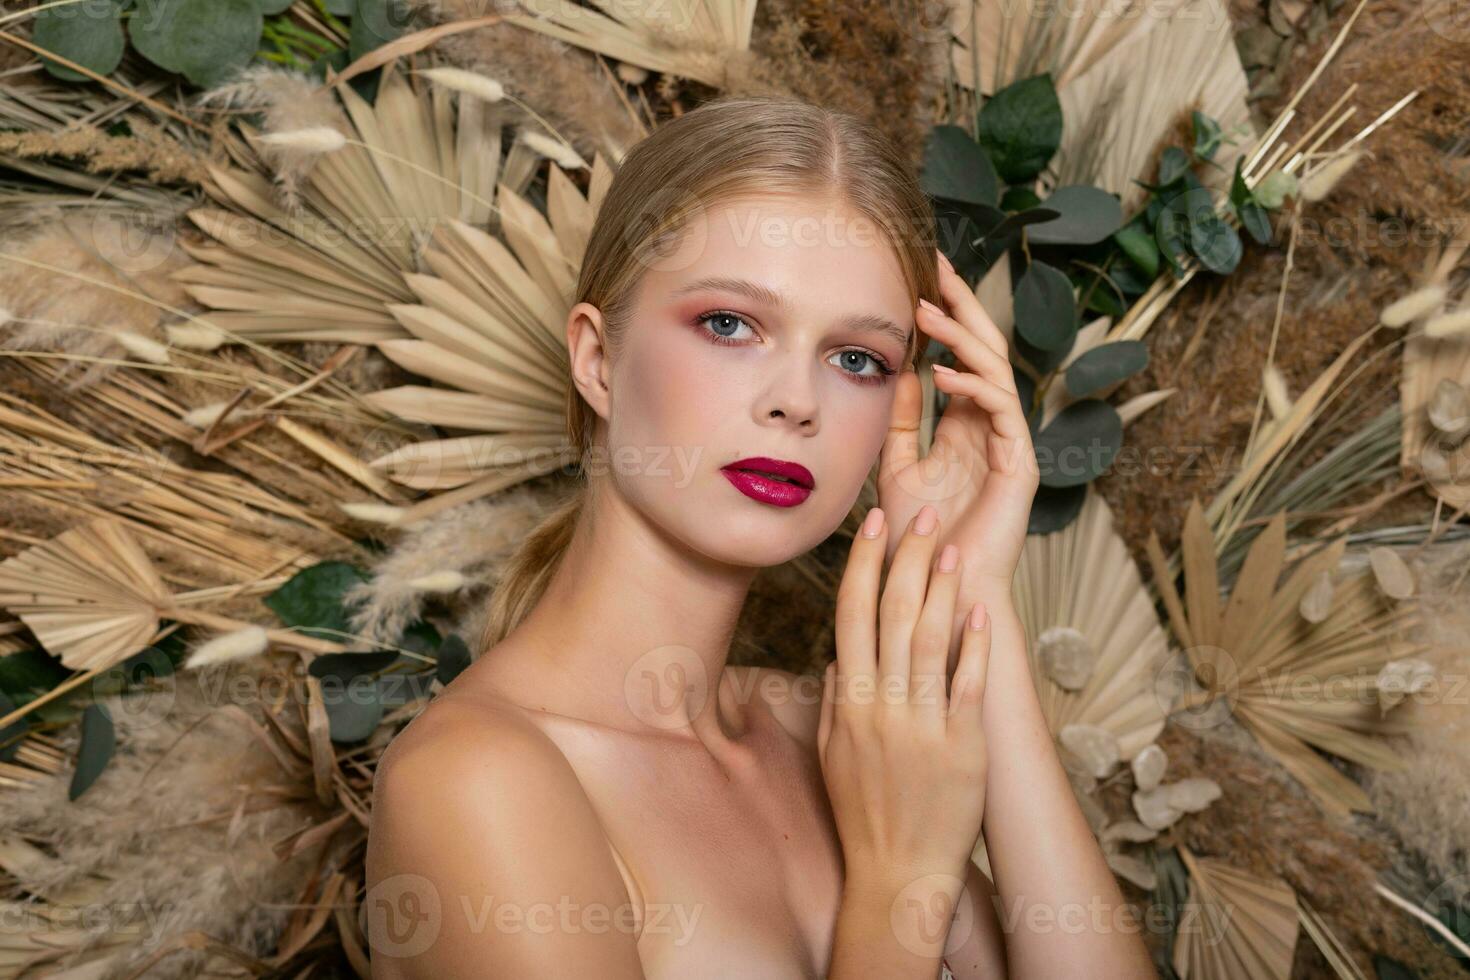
x: 789, y: 401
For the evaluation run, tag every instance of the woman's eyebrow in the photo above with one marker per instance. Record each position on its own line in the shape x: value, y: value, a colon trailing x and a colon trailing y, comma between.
x: 774, y: 298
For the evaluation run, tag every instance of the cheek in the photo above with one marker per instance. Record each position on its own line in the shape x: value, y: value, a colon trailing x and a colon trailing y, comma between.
x: 670, y: 395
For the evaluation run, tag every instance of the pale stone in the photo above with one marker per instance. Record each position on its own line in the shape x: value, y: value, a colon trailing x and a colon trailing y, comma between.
x: 1148, y: 767
x: 1154, y: 808
x: 1066, y: 656
x: 1393, y: 576
x: 1316, y: 602
x: 1096, y: 747
x: 1192, y: 795
x: 1136, y: 871
x: 1129, y: 830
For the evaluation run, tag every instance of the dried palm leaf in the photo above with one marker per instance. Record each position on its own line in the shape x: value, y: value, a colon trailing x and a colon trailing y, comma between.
x: 92, y: 597
x: 1236, y: 925
x: 690, y: 38
x: 1082, y: 580
x: 1123, y: 81
x: 1297, y: 685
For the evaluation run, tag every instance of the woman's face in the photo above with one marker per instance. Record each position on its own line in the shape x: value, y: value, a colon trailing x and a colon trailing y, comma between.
x: 776, y: 329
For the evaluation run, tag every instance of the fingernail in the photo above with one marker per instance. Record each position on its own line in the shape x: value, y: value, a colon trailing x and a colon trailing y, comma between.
x: 942, y: 369
x: 929, y: 306
x: 977, y: 616
x: 949, y: 558
x: 873, y: 523
x: 927, y: 520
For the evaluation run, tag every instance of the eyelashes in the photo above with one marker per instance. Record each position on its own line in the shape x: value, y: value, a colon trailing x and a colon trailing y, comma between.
x: 884, y: 371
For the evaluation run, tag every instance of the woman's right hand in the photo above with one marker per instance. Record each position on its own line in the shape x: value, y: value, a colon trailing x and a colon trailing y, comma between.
x: 902, y: 752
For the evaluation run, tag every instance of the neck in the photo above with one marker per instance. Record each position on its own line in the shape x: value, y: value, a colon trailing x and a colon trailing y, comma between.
x: 633, y: 631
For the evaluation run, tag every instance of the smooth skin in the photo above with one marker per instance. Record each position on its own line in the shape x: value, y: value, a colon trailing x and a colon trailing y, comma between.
x: 603, y: 794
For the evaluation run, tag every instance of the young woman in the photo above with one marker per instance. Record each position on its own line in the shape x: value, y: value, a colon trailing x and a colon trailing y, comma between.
x: 600, y: 794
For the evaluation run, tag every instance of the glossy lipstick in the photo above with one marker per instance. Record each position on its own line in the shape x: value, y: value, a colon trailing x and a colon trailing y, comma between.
x: 771, y: 481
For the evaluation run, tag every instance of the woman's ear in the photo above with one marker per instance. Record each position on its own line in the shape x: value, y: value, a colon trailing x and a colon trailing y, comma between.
x: 586, y: 333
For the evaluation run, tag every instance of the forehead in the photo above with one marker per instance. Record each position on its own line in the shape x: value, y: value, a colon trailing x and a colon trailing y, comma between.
x: 825, y: 256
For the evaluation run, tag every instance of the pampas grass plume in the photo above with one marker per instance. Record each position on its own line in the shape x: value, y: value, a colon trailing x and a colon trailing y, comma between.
x: 1448, y: 324
x: 565, y: 157
x: 1320, y: 183
x: 248, y: 642
x: 469, y: 82
x: 312, y: 139
x: 1411, y: 307
x: 1277, y: 397
x: 143, y: 348
x: 373, y: 513
x: 449, y: 580
x: 196, y: 335
x: 203, y: 416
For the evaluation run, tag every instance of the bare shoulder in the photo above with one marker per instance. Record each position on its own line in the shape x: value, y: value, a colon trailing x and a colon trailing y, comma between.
x: 459, y: 817
x: 794, y: 699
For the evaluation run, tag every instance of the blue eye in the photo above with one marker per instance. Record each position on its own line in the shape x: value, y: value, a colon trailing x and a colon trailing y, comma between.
x: 720, y: 326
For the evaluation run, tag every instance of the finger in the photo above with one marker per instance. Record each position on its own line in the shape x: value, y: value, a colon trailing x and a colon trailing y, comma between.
x: 901, y: 445
x: 902, y: 601
x: 972, y: 351
x: 824, y: 723
x: 856, y: 631
x: 930, y: 655
x: 967, y: 689
x: 967, y: 309
x: 1006, y: 416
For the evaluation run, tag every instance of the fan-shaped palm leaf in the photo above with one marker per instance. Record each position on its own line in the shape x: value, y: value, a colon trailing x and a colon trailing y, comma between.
x: 1236, y: 925
x: 1294, y: 683
x: 1082, y: 579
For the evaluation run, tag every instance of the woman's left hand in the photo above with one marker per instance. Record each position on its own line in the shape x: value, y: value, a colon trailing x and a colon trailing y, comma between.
x: 980, y: 472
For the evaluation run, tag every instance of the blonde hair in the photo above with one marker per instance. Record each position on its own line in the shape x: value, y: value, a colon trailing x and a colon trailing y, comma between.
x: 725, y: 148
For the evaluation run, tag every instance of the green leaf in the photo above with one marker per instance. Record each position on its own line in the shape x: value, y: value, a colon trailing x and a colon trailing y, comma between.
x: 375, y: 23
x: 1045, y: 309
x: 30, y: 672
x: 1206, y: 135
x: 1140, y: 247
x: 1018, y: 199
x: 1079, y: 444
x: 1104, y: 366
x: 313, y: 599
x: 1087, y: 215
x: 957, y: 169
x: 1173, y: 164
x: 351, y: 692
x: 89, y: 33
x: 454, y: 657
x: 1215, y: 244
x: 269, y: 8
x: 203, y: 40
x: 1015, y: 222
x: 11, y: 734
x: 341, y: 8
x: 97, y: 745
x: 1021, y: 127
x: 1043, y: 361
x: 1273, y: 189
x: 1053, y: 508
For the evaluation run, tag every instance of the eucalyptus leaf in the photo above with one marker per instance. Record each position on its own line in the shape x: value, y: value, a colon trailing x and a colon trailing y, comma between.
x: 1140, y: 247
x: 1053, y: 508
x: 1105, y: 366
x: 10, y: 735
x: 1015, y: 222
x: 1021, y: 127
x: 89, y: 33
x: 1019, y: 199
x: 1045, y: 309
x: 375, y: 23
x: 351, y: 692
x: 30, y: 672
x: 1042, y: 361
x: 1173, y: 164
x: 98, y: 742
x: 270, y: 8
x: 312, y: 600
x: 1215, y: 244
x: 959, y: 226
x: 1207, y: 135
x: 204, y: 40
x: 454, y: 656
x: 1079, y: 444
x: 956, y: 168
x: 1085, y: 215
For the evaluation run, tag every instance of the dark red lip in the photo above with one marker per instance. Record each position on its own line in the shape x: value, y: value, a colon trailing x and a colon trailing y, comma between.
x: 794, y: 472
